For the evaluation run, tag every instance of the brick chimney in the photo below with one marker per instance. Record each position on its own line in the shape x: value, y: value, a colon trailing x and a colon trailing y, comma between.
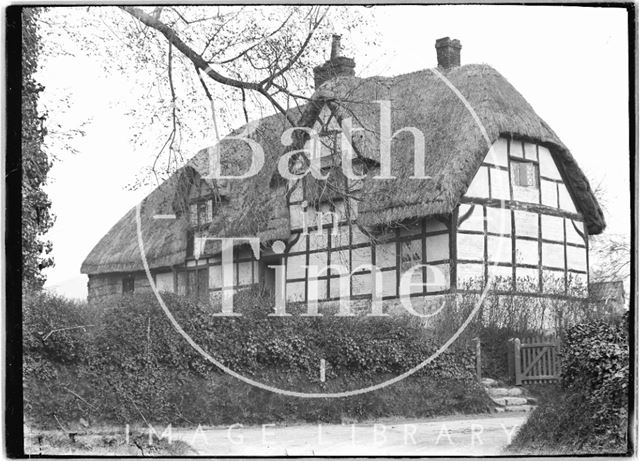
x: 336, y: 66
x: 448, y: 52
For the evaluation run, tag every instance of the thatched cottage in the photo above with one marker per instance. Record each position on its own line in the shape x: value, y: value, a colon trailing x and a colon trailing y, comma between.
x: 502, y: 198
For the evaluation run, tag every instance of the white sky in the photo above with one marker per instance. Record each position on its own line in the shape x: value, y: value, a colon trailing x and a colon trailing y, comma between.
x: 570, y: 63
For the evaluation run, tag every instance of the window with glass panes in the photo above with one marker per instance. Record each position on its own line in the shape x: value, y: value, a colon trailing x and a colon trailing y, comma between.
x: 201, y: 212
x: 341, y: 242
x: 537, y: 241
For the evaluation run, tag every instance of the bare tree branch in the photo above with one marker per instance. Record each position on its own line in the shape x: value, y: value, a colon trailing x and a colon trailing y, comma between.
x: 211, y: 103
x: 176, y: 41
x: 202, y: 65
x: 264, y: 39
x: 294, y: 59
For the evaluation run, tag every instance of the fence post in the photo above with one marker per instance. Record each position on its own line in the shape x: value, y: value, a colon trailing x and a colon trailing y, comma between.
x: 511, y: 362
x: 516, y: 353
x: 478, y: 359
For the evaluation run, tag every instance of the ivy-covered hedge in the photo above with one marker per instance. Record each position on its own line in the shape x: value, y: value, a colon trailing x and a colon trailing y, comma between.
x: 127, y: 363
x: 590, y: 414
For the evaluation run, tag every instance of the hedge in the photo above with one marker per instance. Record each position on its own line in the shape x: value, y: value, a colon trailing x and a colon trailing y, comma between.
x: 129, y: 364
x: 590, y: 413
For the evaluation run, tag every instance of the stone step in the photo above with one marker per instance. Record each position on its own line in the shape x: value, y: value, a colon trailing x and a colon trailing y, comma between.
x: 515, y: 408
x: 509, y: 401
x: 505, y: 391
x: 489, y: 382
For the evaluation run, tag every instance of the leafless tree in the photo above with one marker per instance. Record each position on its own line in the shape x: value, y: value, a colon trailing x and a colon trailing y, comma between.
x: 612, y: 253
x: 203, y: 69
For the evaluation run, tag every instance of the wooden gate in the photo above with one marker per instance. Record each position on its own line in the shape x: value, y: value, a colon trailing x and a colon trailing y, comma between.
x: 536, y: 360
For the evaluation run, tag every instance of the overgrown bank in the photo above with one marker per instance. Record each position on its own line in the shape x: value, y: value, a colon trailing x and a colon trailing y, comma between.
x: 589, y: 415
x: 126, y: 364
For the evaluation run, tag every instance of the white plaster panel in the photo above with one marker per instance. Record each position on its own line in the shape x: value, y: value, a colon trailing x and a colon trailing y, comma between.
x: 552, y: 228
x: 526, y: 223
x: 548, y: 167
x: 386, y: 255
x: 566, y: 202
x: 471, y: 247
x: 499, y: 220
x: 527, y: 252
x: 515, y: 149
x: 475, y: 221
x: 572, y: 234
x: 530, y: 151
x: 295, y: 266
x: 245, y: 270
x: 549, y: 193
x: 470, y: 276
x: 437, y: 247
x: 500, y: 184
x: 497, y: 155
x: 576, y: 258
x: 479, y: 186
x: 164, y: 281
x: 527, y: 279
x: 553, y: 255
x: 438, y: 277
x: 499, y: 249
x: 295, y: 291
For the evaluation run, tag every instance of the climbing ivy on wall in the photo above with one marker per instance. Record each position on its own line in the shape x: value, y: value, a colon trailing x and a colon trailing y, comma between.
x: 36, y: 206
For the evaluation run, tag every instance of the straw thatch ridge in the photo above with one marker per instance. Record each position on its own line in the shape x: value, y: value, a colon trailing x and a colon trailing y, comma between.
x: 455, y: 148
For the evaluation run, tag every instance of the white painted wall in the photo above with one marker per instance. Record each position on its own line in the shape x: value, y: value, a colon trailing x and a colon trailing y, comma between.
x: 540, y: 239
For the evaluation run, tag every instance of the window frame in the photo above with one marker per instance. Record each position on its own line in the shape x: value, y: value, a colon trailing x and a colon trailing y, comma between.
x: 516, y: 163
x: 128, y: 285
x: 201, y: 204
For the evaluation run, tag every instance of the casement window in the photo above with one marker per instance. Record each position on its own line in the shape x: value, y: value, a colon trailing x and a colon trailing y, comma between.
x: 190, y: 243
x: 393, y: 252
x: 127, y: 285
x: 524, y: 174
x: 201, y: 212
x: 194, y: 282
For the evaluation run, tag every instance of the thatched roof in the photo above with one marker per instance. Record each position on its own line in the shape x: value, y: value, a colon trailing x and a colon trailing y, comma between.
x: 253, y: 209
x: 455, y: 148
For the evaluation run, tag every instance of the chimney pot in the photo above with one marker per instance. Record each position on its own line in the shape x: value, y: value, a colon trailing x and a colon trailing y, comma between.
x: 448, y: 52
x: 335, y: 46
x: 336, y: 66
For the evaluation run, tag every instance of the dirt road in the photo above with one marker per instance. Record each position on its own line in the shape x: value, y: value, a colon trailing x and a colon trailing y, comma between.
x: 455, y: 435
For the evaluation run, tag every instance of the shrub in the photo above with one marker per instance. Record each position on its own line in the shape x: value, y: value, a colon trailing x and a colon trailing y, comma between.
x: 55, y: 330
x: 133, y: 365
x: 507, y: 314
x: 589, y: 415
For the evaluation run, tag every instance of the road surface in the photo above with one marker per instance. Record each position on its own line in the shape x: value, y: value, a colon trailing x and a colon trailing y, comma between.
x: 454, y: 435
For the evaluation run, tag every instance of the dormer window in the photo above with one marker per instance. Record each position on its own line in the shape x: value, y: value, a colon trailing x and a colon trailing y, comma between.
x: 201, y: 202
x: 201, y: 212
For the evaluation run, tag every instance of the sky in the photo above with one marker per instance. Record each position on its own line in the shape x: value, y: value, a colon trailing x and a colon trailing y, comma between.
x: 570, y: 64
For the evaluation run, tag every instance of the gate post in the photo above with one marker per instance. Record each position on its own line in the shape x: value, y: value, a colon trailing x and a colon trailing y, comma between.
x: 511, y: 361
x: 517, y: 362
x: 478, y: 358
